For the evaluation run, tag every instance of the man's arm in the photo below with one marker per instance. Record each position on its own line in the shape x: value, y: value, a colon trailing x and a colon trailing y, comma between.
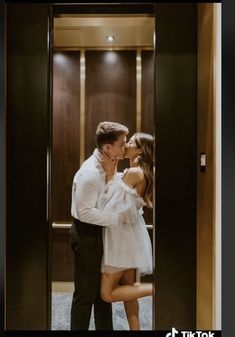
x: 85, y: 196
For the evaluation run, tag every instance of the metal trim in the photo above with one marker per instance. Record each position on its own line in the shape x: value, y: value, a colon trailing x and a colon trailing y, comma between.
x: 82, y: 104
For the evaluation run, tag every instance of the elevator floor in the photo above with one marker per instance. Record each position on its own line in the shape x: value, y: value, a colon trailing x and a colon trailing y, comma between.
x: 61, y: 303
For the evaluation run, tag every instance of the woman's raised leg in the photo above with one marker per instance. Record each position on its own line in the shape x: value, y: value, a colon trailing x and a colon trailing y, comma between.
x: 111, y: 292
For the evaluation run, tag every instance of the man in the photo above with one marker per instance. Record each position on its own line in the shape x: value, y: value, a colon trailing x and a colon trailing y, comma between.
x: 86, y: 230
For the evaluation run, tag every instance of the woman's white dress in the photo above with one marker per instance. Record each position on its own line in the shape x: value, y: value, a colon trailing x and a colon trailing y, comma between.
x: 126, y: 245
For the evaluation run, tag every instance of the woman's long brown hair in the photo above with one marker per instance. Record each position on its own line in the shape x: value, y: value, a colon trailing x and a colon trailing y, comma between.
x: 145, y: 161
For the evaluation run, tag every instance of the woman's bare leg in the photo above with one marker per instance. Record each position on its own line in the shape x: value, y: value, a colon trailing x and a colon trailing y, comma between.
x: 111, y: 293
x: 131, y: 307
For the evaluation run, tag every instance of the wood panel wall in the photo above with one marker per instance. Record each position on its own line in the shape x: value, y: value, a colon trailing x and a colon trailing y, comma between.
x: 205, y: 180
x: 62, y: 256
x: 66, y: 131
x: 147, y: 94
x: 110, y: 92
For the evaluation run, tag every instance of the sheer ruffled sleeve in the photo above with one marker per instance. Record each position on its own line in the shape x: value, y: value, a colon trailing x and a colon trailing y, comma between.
x: 119, y: 198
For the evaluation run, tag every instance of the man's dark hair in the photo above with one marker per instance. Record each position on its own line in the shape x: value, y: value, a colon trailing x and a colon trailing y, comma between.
x: 109, y: 132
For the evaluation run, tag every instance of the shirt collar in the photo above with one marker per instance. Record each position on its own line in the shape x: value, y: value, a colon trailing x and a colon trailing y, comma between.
x: 96, y: 153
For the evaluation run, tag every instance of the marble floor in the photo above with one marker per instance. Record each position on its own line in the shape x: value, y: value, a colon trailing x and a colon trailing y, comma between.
x: 61, y: 303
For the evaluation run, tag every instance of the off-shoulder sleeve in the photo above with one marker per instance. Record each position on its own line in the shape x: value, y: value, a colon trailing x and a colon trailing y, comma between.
x: 119, y: 198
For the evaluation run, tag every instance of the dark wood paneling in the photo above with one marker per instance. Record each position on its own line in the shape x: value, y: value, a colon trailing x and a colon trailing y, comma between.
x: 110, y: 92
x: 107, y: 98
x: 176, y: 122
x: 147, y: 93
x: 62, y: 256
x: 66, y: 131
x: 27, y: 223
x: 112, y: 97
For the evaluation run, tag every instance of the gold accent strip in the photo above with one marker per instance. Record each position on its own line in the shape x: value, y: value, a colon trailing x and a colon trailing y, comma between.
x: 72, y: 48
x: 68, y: 225
x: 82, y: 104
x: 109, y: 15
x: 61, y: 225
x: 138, y: 89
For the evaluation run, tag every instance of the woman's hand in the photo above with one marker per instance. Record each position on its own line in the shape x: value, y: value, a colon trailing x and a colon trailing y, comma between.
x: 109, y: 165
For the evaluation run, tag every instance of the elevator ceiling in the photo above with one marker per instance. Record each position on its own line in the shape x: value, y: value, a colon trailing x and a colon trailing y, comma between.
x: 91, y: 31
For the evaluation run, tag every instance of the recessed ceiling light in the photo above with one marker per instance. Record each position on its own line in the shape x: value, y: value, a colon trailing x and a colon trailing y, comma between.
x: 110, y: 38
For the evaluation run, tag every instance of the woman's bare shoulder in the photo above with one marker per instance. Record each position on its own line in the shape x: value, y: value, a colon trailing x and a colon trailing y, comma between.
x: 135, y: 171
x: 133, y: 176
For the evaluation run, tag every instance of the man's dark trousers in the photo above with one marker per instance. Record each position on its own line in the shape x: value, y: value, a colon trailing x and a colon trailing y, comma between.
x: 87, y: 245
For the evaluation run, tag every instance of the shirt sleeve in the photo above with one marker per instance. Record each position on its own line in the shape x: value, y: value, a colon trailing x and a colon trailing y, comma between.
x: 86, y: 191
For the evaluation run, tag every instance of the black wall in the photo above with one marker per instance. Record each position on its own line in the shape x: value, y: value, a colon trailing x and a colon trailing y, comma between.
x: 175, y: 123
x: 27, y: 222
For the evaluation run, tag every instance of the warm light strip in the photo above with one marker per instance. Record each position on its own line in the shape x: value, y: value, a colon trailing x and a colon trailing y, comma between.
x: 138, y: 89
x: 217, y: 304
x: 68, y: 225
x: 61, y: 225
x: 82, y: 104
x: 69, y: 48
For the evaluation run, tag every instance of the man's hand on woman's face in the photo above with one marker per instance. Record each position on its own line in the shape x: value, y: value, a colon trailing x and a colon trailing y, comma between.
x: 109, y: 165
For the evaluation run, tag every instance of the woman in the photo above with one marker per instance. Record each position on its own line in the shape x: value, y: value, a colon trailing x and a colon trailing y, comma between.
x: 127, y: 247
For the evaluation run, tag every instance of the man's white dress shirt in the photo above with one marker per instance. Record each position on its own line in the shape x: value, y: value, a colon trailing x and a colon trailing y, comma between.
x: 88, y: 183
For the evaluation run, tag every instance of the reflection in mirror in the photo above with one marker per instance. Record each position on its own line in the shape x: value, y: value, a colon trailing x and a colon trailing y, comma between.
x: 95, y: 80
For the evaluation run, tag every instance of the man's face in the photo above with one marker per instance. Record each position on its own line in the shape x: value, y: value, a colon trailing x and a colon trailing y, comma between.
x: 118, y: 149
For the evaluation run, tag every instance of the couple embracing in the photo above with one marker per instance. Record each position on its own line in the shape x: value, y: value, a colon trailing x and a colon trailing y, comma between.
x: 108, y: 235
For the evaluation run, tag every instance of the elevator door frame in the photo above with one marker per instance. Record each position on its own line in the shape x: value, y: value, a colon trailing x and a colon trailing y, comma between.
x: 28, y: 223
x: 108, y: 9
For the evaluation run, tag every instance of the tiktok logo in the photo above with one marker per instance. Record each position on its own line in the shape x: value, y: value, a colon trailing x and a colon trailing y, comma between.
x: 172, y: 333
x: 189, y: 333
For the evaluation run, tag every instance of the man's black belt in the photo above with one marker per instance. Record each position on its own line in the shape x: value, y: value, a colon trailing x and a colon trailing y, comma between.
x: 86, y: 229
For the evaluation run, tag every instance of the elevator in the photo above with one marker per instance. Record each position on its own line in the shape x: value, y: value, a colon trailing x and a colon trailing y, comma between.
x: 36, y: 221
x: 103, y: 69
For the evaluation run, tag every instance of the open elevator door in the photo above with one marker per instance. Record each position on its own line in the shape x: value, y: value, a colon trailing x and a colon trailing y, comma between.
x: 28, y: 218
